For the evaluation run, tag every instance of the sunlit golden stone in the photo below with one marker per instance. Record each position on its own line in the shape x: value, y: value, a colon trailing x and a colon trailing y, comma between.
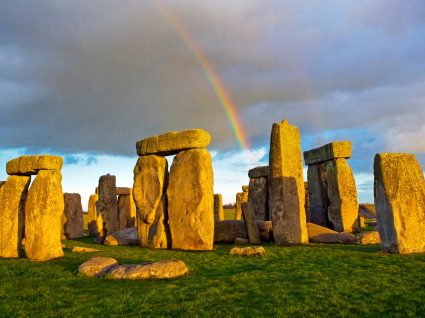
x: 30, y: 165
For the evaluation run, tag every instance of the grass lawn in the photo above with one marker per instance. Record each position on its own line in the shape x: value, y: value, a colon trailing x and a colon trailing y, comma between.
x: 300, y: 281
x: 229, y: 214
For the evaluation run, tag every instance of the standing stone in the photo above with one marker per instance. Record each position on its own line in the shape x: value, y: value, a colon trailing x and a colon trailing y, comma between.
x: 218, y: 208
x: 343, y: 207
x: 107, y: 206
x: 13, y: 195
x: 150, y: 184
x: 307, y: 202
x: 190, y: 201
x: 258, y: 198
x: 241, y: 197
x: 92, y: 215
x: 43, y: 212
x: 73, y: 224
x: 286, y: 185
x: 126, y: 211
x: 400, y: 203
x: 318, y: 195
x: 251, y: 226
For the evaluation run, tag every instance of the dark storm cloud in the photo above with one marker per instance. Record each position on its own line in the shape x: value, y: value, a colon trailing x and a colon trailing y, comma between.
x: 95, y: 76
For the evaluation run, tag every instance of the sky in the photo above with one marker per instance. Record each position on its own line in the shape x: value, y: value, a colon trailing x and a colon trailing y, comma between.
x: 87, y: 79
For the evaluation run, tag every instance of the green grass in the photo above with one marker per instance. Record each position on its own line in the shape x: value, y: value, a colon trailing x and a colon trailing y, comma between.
x: 299, y: 281
x: 229, y: 214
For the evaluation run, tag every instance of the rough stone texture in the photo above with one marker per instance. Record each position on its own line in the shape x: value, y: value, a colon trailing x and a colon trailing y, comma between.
x: 248, y: 251
x: 124, y: 237
x: 259, y: 172
x: 245, y: 188
x: 92, y: 215
x: 400, y: 203
x: 248, y: 215
x: 361, y: 221
x: 124, y: 191
x: 73, y: 222
x: 43, y: 217
x: 241, y: 197
x: 286, y: 185
x: 333, y: 150
x: 369, y: 237
x: 172, y: 143
x: 107, y: 207
x: 154, y: 270
x: 343, y: 207
x: 229, y: 230
x: 13, y: 195
x: 318, y: 195
x: 307, y: 202
x: 258, y: 198
x: 126, y: 211
x: 266, y: 230
x: 150, y: 184
x: 241, y: 241
x: 97, y: 266
x: 321, y: 234
x: 79, y: 249
x: 30, y: 165
x: 191, y: 201
x: 218, y: 208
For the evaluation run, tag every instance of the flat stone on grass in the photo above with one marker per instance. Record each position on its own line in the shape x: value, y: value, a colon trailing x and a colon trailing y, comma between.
x: 248, y: 251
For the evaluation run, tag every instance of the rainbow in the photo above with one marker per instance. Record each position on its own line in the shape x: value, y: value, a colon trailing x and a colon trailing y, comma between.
x: 220, y: 91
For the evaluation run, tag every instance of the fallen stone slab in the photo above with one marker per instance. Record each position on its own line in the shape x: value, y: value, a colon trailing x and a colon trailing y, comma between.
x: 258, y: 172
x: 97, y: 266
x: 30, y: 165
x: 128, y: 236
x: 333, y: 150
x: 320, y: 234
x: 172, y: 143
x: 79, y: 249
x: 248, y: 251
x: 156, y: 270
x: 369, y: 237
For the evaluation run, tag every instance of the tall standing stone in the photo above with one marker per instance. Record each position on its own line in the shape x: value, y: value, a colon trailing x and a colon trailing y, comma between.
x: 218, y: 208
x: 307, y: 202
x: 400, y: 203
x: 318, y: 195
x: 73, y: 226
x: 190, y: 201
x: 126, y: 211
x: 107, y: 205
x: 251, y: 226
x: 150, y: 184
x: 258, y: 198
x: 286, y: 185
x: 241, y: 197
x: 92, y: 215
x: 13, y: 195
x: 43, y: 212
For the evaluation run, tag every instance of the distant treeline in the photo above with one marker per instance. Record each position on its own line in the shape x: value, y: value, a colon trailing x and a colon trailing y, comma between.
x: 229, y: 205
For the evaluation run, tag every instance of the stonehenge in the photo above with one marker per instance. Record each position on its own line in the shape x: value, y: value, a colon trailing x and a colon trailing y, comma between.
x: 241, y: 197
x: 332, y: 188
x: 73, y: 221
x: 32, y: 213
x: 175, y: 209
x: 218, y: 208
x: 286, y: 185
x: 258, y: 192
x: 400, y: 203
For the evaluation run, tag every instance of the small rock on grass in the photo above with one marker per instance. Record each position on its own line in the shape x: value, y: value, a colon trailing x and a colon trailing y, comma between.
x: 79, y: 249
x: 248, y: 251
x: 97, y: 266
x: 156, y: 270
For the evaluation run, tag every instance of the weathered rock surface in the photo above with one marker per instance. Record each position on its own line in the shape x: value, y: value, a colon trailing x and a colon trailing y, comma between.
x: 97, y: 266
x: 218, y: 208
x: 248, y: 251
x: 343, y: 207
x: 191, y: 201
x: 124, y: 191
x: 124, y: 237
x: 126, y: 211
x: 286, y: 185
x: 155, y: 270
x: 107, y: 207
x: 245, y: 188
x: 333, y: 150
x: 400, y: 203
x: 172, y: 143
x: 73, y: 222
x: 79, y: 249
x: 259, y: 172
x: 13, y: 194
x: 258, y: 198
x: 92, y: 215
x: 320, y: 234
x: 318, y: 195
x: 307, y: 202
x: 369, y: 237
x: 241, y: 197
x: 30, y: 165
x: 241, y: 241
x: 44, y: 208
x: 248, y: 215
x: 229, y: 230
x: 265, y: 229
